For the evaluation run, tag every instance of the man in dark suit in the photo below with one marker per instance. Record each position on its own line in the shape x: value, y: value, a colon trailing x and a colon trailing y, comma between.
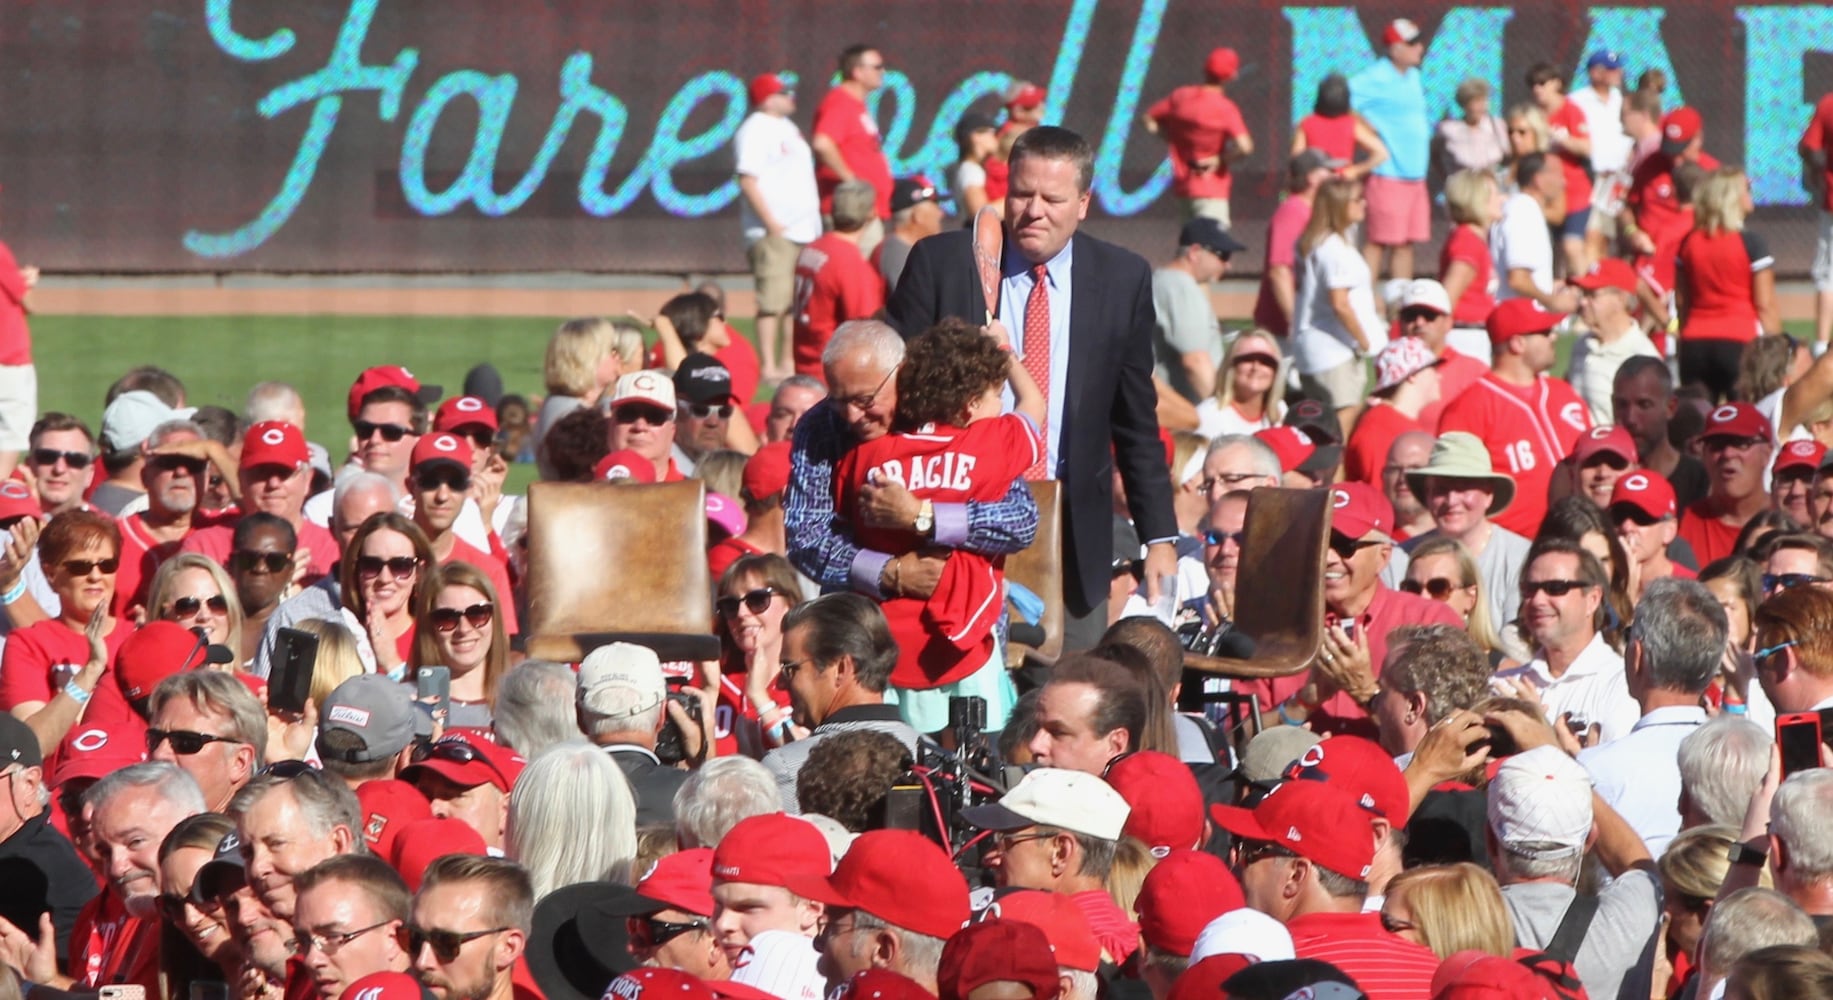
x: 1087, y: 335
x: 623, y: 702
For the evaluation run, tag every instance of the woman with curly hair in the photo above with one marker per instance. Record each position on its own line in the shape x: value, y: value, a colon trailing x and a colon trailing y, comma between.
x: 949, y: 443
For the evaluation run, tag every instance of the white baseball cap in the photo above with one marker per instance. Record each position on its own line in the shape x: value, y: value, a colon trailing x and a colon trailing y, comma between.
x: 1055, y: 796
x: 1426, y: 292
x: 1541, y: 801
x: 1246, y: 931
x: 621, y: 680
x: 647, y: 386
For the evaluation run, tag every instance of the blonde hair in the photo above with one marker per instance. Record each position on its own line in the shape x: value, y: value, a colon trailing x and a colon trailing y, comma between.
x: 337, y: 656
x: 1478, y: 624
x: 426, y: 646
x: 1467, y: 194
x: 1456, y: 908
x: 1696, y: 861
x: 1133, y: 861
x: 1329, y: 213
x: 1718, y: 204
x: 1225, y: 373
x: 1187, y: 448
x: 574, y: 353
x: 1536, y: 121
x: 722, y: 471
x: 159, y: 592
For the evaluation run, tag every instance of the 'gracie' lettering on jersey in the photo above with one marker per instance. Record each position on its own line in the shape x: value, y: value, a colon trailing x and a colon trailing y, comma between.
x: 942, y: 471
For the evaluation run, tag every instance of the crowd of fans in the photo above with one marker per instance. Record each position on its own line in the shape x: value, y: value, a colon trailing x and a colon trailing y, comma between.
x: 1562, y: 736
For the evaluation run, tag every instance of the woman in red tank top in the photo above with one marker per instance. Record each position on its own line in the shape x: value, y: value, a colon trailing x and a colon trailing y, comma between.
x: 1464, y: 264
x: 1338, y: 132
x: 1725, y: 284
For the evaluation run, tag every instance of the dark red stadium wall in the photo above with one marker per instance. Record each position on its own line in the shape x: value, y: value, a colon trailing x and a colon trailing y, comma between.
x: 513, y: 135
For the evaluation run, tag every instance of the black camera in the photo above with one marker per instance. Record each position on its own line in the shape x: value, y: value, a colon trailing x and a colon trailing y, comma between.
x: 671, y: 745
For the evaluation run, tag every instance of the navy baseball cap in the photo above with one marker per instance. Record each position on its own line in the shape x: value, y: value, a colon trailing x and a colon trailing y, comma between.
x: 1207, y: 233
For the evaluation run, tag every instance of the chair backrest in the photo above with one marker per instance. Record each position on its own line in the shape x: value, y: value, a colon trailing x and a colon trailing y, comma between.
x: 1279, y: 587
x: 1040, y: 568
x: 619, y: 563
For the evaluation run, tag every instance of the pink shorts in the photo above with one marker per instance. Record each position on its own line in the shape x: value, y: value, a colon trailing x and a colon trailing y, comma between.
x: 1398, y: 212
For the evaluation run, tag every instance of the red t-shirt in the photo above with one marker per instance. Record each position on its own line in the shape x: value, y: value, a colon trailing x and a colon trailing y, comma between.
x: 110, y: 948
x: 1715, y: 271
x: 1385, y: 965
x: 1458, y: 373
x: 950, y: 635
x: 1528, y: 430
x: 1283, y: 230
x: 834, y: 283
x: 1117, y: 935
x: 1196, y: 122
x: 29, y: 672
x: 141, y: 555
x: 15, y: 335
x: 1368, y: 445
x: 844, y: 119
x: 1336, y: 137
x: 1661, y: 214
x: 492, y: 567
x: 218, y: 541
x: 1467, y: 245
x: 727, y: 551
x: 1819, y: 136
x: 1710, y: 537
x: 1576, y: 168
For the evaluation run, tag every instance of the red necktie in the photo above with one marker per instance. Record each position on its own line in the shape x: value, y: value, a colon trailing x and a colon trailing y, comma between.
x: 1037, y: 354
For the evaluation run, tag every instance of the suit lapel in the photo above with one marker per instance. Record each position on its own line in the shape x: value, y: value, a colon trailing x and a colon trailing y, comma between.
x: 1082, y: 332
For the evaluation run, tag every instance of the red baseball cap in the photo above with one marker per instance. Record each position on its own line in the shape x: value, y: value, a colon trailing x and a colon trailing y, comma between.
x: 154, y: 653
x: 1805, y: 454
x: 94, y: 752
x: 16, y: 500
x: 775, y: 849
x: 464, y: 411
x: 1181, y: 895
x: 1611, y: 272
x: 1167, y: 805
x: 419, y: 843
x: 992, y: 951
x: 1028, y: 96
x: 1222, y: 65
x: 385, y: 986
x: 1359, y: 768
x: 387, y: 375
x: 1358, y: 509
x: 1646, y: 491
x: 1519, y: 317
x: 880, y: 984
x: 467, y: 759
x: 1678, y: 127
x: 1292, y: 445
x: 1063, y: 924
x: 1607, y: 439
x: 1738, y: 420
x: 767, y: 85
x: 1203, y: 979
x: 903, y: 878
x: 1399, y: 30
x: 1313, y: 819
x: 624, y: 464
x: 767, y: 472
x: 657, y: 984
x: 274, y: 442
x: 681, y: 881
x: 442, y: 447
x: 388, y: 804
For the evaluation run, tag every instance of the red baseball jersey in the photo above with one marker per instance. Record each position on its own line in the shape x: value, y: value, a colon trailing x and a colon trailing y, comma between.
x: 834, y: 283
x: 950, y: 635
x: 1570, y: 118
x: 1528, y: 430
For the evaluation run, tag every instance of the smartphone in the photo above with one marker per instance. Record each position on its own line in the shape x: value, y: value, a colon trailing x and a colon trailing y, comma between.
x: 289, y: 678
x: 1798, y: 734
x: 123, y: 992
x: 433, y: 686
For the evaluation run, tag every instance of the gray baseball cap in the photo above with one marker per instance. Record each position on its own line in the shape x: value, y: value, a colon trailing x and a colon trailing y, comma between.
x: 376, y: 710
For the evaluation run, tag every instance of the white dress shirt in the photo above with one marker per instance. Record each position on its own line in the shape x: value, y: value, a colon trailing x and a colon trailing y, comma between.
x: 1639, y: 775
x: 1592, y: 689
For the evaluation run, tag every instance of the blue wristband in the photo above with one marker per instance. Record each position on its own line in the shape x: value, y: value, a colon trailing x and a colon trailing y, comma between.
x: 1736, y: 708
x: 1287, y: 719
x: 12, y: 596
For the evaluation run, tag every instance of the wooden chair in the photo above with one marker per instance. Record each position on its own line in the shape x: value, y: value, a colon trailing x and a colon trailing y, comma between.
x: 1279, y: 589
x: 619, y: 564
x: 1040, y: 569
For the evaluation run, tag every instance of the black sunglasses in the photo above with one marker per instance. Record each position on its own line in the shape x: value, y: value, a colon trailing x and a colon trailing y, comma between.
x: 1218, y: 537
x: 390, y: 432
x: 648, y: 932
x: 1773, y: 582
x: 287, y: 770
x: 185, y: 607
x: 1438, y: 587
x: 172, y: 906
x: 701, y: 411
x: 84, y: 567
x: 483, y: 437
x: 447, y: 619
x: 401, y: 566
x: 1250, y: 852
x: 428, y: 480
x: 250, y: 561
x: 185, y: 743
x: 49, y: 456
x: 1553, y: 588
x: 445, y: 944
x: 175, y: 463
x: 458, y: 752
x: 757, y: 601
x: 1347, y: 547
x: 630, y: 414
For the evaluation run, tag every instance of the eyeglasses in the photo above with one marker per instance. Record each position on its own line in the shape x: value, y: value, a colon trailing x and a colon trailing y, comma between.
x: 787, y: 668
x: 185, y: 743
x: 400, y: 567
x: 648, y: 932
x: 1006, y: 841
x: 635, y: 413
x: 1721, y: 442
x: 1438, y: 587
x: 756, y: 602
x: 50, y: 456
x: 1230, y: 480
x: 1250, y: 853
x: 428, y: 480
x: 700, y: 411
x: 1347, y: 547
x: 456, y: 751
x: 865, y: 402
x: 1553, y: 588
x: 445, y: 944
x: 447, y: 619
x: 250, y: 561
x: 390, y: 432
x: 1777, y: 582
x: 177, y: 463
x: 1218, y: 537
x: 84, y: 567
x: 185, y: 607
x: 328, y: 944
x: 1759, y: 657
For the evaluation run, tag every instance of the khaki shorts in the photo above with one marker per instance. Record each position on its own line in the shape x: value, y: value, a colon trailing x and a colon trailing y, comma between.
x: 1343, y: 386
x: 773, y: 264
x: 1214, y: 208
x: 18, y: 406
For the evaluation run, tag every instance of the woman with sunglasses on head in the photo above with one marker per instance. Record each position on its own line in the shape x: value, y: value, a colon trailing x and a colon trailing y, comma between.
x: 462, y: 632
x: 1250, y: 395
x: 194, y: 944
x: 55, y: 673
x: 1442, y: 569
x: 385, y: 591
x: 262, y: 564
x: 754, y: 595
x: 192, y: 590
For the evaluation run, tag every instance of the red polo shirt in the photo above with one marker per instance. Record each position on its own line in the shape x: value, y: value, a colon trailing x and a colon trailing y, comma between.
x: 1386, y: 966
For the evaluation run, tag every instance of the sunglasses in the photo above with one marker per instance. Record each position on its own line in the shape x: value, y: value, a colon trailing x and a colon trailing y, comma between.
x: 632, y: 414
x: 1250, y: 853
x: 185, y: 607
x: 185, y: 743
x: 50, y: 456
x: 172, y: 906
x: 400, y: 567
x: 432, y: 479
x: 1777, y: 582
x: 1394, y: 925
x: 286, y: 770
x: 176, y: 463
x: 1553, y: 588
x: 84, y: 567
x: 1762, y: 656
x: 483, y: 437
x: 757, y: 601
x: 456, y: 751
x: 250, y: 561
x: 1414, y: 314
x: 1720, y: 442
x: 700, y: 411
x: 390, y: 432
x: 787, y: 668
x: 1218, y: 537
x: 648, y: 932
x: 447, y: 619
x: 1438, y: 587
x: 445, y: 944
x: 1347, y: 547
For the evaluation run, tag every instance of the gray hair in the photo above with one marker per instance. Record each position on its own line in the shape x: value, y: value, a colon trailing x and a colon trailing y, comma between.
x: 1681, y: 629
x: 715, y: 798
x: 1721, y: 765
x: 572, y: 818
x: 1265, y: 460
x: 1800, y: 816
x: 1520, y: 861
x: 271, y: 401
x: 922, y: 953
x: 534, y: 707
x: 1083, y: 985
x: 855, y: 203
x: 363, y: 482
x: 800, y: 381
x: 886, y: 345
x: 325, y: 802
x: 218, y: 692
x: 167, y: 430
x: 172, y: 784
x: 1745, y: 921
